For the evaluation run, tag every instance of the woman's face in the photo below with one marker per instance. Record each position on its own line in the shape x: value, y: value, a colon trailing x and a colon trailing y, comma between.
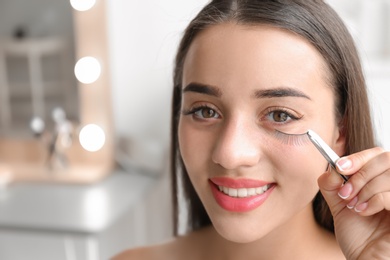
x: 241, y: 86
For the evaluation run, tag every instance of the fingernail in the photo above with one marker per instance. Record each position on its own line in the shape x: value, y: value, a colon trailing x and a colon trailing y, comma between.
x: 344, y: 164
x: 352, y: 203
x: 345, y: 191
x: 361, y: 207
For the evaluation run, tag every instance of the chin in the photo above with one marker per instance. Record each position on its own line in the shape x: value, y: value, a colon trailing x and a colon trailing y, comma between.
x: 235, y: 232
x: 241, y: 237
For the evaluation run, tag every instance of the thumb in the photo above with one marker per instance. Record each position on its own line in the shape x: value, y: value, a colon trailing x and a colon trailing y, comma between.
x: 330, y: 183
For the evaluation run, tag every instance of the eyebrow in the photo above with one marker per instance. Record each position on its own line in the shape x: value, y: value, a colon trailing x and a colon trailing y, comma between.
x: 263, y: 93
x: 280, y: 92
x: 203, y: 89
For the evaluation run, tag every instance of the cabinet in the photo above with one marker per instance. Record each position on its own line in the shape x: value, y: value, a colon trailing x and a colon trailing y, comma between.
x: 75, y: 222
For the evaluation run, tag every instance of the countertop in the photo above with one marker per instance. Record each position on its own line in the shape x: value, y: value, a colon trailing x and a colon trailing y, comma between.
x: 71, y: 208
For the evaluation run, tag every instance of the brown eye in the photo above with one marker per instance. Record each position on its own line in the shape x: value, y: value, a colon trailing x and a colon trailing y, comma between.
x: 208, y: 113
x: 280, y: 116
x: 205, y: 112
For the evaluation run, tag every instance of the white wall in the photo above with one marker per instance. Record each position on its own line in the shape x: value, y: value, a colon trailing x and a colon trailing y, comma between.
x: 369, y: 23
x: 143, y: 40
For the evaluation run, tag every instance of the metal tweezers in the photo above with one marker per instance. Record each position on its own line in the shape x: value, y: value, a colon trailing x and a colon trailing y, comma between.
x: 326, y: 151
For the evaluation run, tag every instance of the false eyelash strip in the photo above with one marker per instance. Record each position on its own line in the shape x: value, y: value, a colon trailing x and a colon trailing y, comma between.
x: 311, y: 136
x: 292, y: 139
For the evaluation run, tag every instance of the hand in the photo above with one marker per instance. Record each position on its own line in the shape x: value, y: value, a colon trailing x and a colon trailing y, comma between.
x: 361, y: 207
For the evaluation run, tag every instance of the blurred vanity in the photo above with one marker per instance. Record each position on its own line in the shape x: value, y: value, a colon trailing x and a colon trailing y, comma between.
x: 84, y: 208
x: 41, y: 42
x: 73, y: 222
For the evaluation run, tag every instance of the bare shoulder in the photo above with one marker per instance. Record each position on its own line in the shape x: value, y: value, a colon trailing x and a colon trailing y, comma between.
x: 169, y: 250
x: 136, y: 253
x: 182, y: 247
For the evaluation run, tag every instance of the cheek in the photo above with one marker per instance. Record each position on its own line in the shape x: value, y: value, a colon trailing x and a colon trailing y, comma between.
x: 297, y: 165
x: 193, y: 146
x: 296, y: 173
x: 184, y: 138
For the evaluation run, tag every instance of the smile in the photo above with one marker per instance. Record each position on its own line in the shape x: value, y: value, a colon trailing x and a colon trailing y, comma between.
x: 244, y: 192
x: 240, y: 195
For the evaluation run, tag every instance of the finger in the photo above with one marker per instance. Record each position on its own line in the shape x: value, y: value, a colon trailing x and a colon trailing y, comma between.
x: 376, y: 186
x: 350, y: 164
x: 374, y: 205
x: 376, y: 167
x: 329, y: 184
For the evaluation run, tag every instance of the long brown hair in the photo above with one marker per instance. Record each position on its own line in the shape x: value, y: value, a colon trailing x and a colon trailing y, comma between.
x: 319, y: 24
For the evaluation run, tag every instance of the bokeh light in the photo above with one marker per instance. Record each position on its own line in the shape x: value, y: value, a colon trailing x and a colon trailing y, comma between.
x: 92, y: 137
x: 82, y: 5
x: 87, y: 70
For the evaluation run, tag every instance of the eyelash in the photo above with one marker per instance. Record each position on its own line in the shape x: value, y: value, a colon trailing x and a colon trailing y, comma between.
x: 291, y: 139
x: 283, y: 110
x: 196, y: 109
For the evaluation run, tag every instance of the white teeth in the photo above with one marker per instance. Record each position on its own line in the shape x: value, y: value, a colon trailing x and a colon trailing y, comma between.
x: 233, y: 192
x: 225, y: 190
x: 244, y: 192
x: 251, y: 191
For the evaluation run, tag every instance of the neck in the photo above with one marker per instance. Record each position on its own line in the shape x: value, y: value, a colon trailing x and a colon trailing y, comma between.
x: 299, y: 238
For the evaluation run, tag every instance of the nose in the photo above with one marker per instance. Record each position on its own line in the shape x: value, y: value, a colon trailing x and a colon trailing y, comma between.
x: 237, y: 146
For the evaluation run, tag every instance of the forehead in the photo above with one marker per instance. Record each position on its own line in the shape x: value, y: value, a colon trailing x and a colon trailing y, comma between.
x: 241, y: 54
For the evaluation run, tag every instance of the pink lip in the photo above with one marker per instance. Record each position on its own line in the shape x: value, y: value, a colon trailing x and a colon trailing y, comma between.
x: 238, y: 204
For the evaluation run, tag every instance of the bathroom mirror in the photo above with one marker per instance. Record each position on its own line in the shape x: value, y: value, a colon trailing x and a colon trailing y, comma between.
x: 41, y: 41
x: 37, y: 55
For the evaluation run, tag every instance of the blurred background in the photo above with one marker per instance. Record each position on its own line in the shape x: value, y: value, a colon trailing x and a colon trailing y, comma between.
x: 85, y: 93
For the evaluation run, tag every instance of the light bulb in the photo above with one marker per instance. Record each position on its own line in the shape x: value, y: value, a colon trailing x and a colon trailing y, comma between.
x: 92, y: 137
x: 82, y: 5
x: 37, y: 125
x: 87, y: 70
